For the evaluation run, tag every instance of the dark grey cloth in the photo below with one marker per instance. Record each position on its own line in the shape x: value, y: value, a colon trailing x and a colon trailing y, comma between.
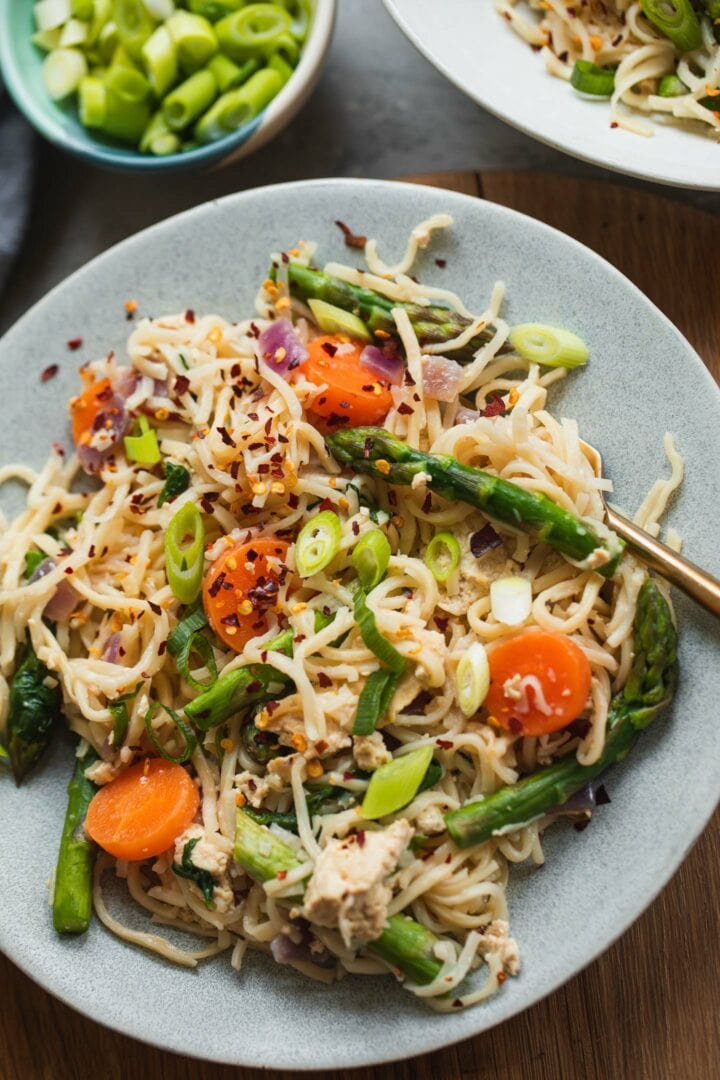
x: 17, y: 154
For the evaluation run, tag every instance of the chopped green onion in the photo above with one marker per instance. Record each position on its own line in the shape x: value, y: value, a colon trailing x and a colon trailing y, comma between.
x: 184, y: 729
x: 141, y: 444
x: 125, y: 120
x: 107, y: 41
x: 102, y: 17
x: 318, y: 543
x: 259, y: 852
x: 188, y: 100
x: 74, y: 32
x: 374, y: 701
x: 549, y: 345
x: 333, y: 320
x: 121, y: 720
x: 134, y: 24
x: 160, y: 60
x: 194, y: 619
x: 711, y: 101
x: 256, y: 30
x: 63, y: 70
x: 50, y: 14
x: 396, y: 784
x: 279, y: 63
x: 128, y: 83
x: 160, y: 9
x: 228, y: 74
x: 676, y: 19
x: 32, y: 561
x: 47, y: 40
x: 197, y: 643
x: 239, y: 106
x: 442, y: 556
x: 214, y: 9
x: 472, y: 679
x: 370, y: 558
x: 177, y: 480
x: 376, y: 643
x: 194, y: 39
x: 184, y: 560
x: 82, y: 9
x: 158, y: 139
x: 301, y: 13
x: 588, y: 78
x: 672, y: 86
x: 92, y: 102
x: 511, y: 599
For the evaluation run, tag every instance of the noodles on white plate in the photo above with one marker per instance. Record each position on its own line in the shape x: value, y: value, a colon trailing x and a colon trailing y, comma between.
x: 617, y: 36
x: 245, y: 428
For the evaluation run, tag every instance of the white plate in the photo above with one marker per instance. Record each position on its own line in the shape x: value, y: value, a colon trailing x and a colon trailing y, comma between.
x: 643, y: 377
x: 475, y: 48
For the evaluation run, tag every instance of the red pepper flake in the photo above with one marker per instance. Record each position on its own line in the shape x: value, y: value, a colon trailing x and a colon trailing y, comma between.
x: 324, y: 680
x: 207, y: 505
x: 162, y: 647
x: 444, y: 744
x: 614, y: 124
x: 293, y: 501
x: 190, y: 315
x: 501, y: 977
x: 74, y: 343
x: 495, y: 405
x: 442, y: 263
x: 226, y: 437
x: 441, y: 623
x: 326, y: 504
x: 329, y: 348
x: 356, y: 528
x: 281, y: 875
x: 217, y: 584
x: 68, y: 570
x: 515, y: 725
x: 231, y: 619
x: 353, y: 240
x: 182, y: 384
x: 49, y: 373
x: 427, y: 504
x: 91, y: 551
x: 155, y: 608
x: 457, y: 1003
x: 59, y: 449
x: 360, y: 835
x: 404, y: 409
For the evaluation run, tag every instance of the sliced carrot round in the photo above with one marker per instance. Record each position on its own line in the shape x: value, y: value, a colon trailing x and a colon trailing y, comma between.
x: 86, y: 406
x: 351, y: 394
x: 241, y: 587
x: 539, y: 683
x: 140, y: 814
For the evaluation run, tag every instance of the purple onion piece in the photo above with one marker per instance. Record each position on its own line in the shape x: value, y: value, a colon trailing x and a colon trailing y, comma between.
x: 125, y: 383
x: 42, y: 569
x: 383, y: 363
x: 483, y: 541
x: 466, y: 416
x: 584, y: 801
x: 301, y: 946
x: 111, y: 651
x: 109, y: 426
x: 442, y: 378
x: 277, y: 336
x: 160, y: 388
x: 62, y: 603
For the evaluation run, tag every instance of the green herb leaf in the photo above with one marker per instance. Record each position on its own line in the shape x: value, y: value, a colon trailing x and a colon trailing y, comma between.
x: 32, y: 561
x: 188, y: 870
x: 177, y: 480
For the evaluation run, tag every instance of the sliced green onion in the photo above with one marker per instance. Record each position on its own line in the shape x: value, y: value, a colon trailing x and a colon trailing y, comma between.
x: 214, y: 9
x: 256, y: 30
x: 107, y: 41
x: 121, y: 720
x: 185, y: 730
x: 141, y: 444
x: 396, y: 784
x: 92, y: 102
x: 102, y: 15
x: 711, y: 101
x: 376, y: 643
x: 279, y: 63
x: 177, y: 480
x: 318, y: 543
x: 188, y: 100
x: 472, y: 679
x: 50, y: 14
x: 82, y: 9
x: 589, y: 78
x: 676, y: 19
x: 301, y: 13
x: 63, y: 70
x: 193, y: 620
x: 239, y: 106
x: 511, y: 599
x: 333, y: 320
x: 47, y: 40
x: 158, y: 139
x: 672, y: 86
x: 370, y: 558
x: 442, y: 556
x: 74, y: 32
x: 134, y: 24
x: 199, y: 644
x: 32, y: 561
x: 374, y: 701
x: 183, y: 558
x: 160, y: 9
x: 549, y: 345
x: 128, y: 83
x: 160, y: 59
x: 227, y: 73
x: 125, y: 120
x: 194, y: 39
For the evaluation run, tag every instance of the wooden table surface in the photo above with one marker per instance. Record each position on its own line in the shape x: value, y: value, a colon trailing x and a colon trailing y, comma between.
x: 646, y: 1010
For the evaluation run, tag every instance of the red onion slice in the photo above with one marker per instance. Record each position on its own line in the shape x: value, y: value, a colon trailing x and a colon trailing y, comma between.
x: 62, y: 603
x: 111, y: 651
x: 442, y: 378
x: 466, y: 416
x: 484, y: 540
x: 281, y: 348
x: 108, y: 428
x: 384, y: 363
x: 42, y: 569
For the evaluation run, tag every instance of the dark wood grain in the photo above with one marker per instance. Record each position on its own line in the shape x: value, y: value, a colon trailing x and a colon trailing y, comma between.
x: 646, y: 1010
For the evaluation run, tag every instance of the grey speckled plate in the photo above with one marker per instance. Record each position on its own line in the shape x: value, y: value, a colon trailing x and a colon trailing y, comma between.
x: 643, y: 379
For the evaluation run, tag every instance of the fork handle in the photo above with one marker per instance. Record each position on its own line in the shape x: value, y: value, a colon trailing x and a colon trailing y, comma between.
x: 679, y: 571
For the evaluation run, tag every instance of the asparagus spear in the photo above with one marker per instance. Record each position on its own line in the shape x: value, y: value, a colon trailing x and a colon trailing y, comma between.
x: 404, y: 943
x: 432, y: 324
x: 34, y: 711
x: 376, y: 452
x: 72, y: 897
x: 648, y: 689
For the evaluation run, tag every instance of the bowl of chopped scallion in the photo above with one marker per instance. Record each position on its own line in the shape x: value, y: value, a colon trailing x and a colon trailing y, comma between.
x: 158, y: 85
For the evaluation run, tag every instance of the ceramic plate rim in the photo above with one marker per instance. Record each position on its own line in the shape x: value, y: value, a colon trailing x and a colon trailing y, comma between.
x: 633, y: 906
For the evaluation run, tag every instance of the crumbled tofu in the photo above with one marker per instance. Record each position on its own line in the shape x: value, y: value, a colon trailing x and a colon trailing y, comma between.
x: 597, y: 558
x: 282, y: 767
x: 102, y: 772
x: 475, y: 577
x: 288, y: 723
x: 205, y: 855
x: 420, y: 480
x: 348, y: 888
x: 370, y: 751
x: 496, y: 940
x: 257, y: 788
x: 513, y: 689
x: 430, y: 821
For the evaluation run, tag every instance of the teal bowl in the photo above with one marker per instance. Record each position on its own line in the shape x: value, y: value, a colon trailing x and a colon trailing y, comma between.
x: 21, y: 68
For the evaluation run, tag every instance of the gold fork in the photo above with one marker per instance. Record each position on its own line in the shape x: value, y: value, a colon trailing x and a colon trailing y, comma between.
x: 675, y: 568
